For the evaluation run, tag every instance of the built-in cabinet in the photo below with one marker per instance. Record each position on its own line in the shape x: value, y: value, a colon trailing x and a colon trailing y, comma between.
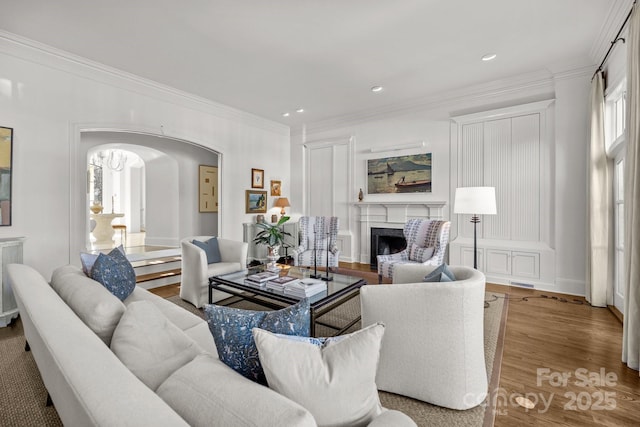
x: 10, y: 253
x: 510, y: 149
x: 259, y: 252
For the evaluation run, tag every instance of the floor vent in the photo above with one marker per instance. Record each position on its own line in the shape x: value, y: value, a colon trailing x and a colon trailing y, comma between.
x: 524, y: 285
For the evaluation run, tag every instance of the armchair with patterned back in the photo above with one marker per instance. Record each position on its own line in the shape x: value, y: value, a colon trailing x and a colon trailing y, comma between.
x: 426, y: 244
x: 315, y: 233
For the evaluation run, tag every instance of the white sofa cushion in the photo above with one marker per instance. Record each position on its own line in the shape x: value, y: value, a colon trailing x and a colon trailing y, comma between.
x: 195, y: 327
x: 150, y: 345
x: 206, y: 392
x: 334, y: 381
x: 98, y: 308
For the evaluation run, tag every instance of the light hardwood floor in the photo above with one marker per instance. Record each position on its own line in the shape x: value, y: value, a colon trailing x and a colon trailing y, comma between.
x: 563, y: 355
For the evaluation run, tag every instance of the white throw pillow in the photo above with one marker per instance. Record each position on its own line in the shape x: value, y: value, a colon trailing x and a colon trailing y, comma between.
x: 335, y: 380
x: 98, y: 308
x: 150, y: 345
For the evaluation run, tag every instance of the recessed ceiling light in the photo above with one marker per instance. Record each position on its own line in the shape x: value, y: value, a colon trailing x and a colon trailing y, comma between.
x: 489, y: 57
x: 300, y: 110
x: 285, y: 114
x: 377, y: 89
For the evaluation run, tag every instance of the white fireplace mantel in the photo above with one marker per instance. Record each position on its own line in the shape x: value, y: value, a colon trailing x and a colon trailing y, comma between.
x: 392, y: 214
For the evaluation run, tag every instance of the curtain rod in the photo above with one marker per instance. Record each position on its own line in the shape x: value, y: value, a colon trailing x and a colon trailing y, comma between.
x: 616, y: 39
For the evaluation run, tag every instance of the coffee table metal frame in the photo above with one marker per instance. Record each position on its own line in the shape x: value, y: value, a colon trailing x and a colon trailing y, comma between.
x: 348, y: 287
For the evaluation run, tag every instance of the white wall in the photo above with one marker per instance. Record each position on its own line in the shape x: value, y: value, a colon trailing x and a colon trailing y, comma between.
x: 431, y: 123
x: 50, y: 97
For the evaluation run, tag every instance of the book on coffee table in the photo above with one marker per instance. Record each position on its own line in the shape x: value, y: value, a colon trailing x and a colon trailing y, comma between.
x: 279, y: 283
x: 305, y: 288
x: 262, y: 277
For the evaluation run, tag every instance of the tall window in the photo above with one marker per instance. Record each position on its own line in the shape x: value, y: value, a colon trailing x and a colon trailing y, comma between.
x: 615, y: 112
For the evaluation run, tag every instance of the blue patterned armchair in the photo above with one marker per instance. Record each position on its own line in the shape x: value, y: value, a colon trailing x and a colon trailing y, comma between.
x: 320, y: 228
x: 426, y: 244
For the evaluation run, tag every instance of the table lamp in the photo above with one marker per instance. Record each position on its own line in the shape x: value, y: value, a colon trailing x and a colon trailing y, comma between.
x: 475, y: 201
x: 282, y: 202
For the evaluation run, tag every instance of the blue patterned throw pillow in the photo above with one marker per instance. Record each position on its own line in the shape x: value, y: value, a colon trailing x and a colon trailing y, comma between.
x: 231, y: 330
x: 441, y: 274
x: 88, y: 260
x: 210, y: 248
x: 115, y: 273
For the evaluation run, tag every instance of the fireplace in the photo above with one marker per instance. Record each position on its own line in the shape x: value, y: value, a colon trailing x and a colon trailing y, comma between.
x: 385, y: 241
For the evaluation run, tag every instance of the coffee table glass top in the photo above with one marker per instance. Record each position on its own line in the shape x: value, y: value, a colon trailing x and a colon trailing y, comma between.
x: 340, y: 284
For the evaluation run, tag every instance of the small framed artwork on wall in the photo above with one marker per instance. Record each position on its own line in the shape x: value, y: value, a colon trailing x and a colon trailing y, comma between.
x: 275, y: 188
x: 257, y: 178
x: 255, y: 201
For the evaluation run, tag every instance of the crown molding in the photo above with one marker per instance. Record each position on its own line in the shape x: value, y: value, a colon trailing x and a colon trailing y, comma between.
x: 617, y: 13
x: 48, y: 56
x: 536, y: 81
x: 573, y: 73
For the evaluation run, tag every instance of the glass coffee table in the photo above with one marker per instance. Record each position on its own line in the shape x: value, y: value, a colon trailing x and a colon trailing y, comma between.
x: 339, y: 290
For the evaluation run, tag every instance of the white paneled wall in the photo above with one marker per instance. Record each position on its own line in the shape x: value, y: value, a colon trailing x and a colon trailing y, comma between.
x: 507, y: 149
x: 329, y: 165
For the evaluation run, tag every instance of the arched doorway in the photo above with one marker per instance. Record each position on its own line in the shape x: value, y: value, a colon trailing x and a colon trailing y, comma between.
x: 165, y: 205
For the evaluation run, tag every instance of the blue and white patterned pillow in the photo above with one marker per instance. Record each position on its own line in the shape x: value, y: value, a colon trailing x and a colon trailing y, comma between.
x: 210, y: 248
x: 115, y: 273
x: 88, y: 260
x: 441, y: 274
x: 231, y: 330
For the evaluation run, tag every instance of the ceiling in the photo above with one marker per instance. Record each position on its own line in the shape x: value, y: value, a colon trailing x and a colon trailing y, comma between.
x: 270, y: 57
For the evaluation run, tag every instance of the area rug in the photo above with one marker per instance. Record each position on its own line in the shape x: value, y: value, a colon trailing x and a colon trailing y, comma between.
x: 24, y: 394
x: 424, y: 414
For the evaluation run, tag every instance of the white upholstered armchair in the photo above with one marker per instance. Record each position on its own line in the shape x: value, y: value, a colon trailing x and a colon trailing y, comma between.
x: 426, y: 244
x: 433, y: 344
x: 196, y: 272
x: 315, y: 232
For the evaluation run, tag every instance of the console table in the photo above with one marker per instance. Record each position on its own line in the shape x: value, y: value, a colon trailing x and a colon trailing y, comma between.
x: 10, y: 253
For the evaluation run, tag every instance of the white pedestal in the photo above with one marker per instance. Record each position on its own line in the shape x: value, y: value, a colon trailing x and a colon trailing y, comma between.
x: 103, y: 233
x: 10, y: 253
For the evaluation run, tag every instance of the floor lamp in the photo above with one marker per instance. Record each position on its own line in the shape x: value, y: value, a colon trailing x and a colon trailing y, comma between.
x: 475, y: 201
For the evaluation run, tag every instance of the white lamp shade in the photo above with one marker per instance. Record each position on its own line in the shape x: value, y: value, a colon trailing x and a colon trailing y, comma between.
x: 475, y: 201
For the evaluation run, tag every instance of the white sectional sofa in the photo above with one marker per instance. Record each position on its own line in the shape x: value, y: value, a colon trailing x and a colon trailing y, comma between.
x: 69, y: 325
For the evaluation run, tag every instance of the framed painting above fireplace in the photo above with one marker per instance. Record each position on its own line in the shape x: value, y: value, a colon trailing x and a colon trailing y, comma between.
x: 401, y: 174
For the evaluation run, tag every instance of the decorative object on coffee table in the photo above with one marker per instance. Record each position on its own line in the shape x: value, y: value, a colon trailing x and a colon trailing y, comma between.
x: 272, y: 236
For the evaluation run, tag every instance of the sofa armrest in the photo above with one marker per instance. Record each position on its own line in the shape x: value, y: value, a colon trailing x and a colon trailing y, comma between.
x: 411, y: 273
x: 233, y: 251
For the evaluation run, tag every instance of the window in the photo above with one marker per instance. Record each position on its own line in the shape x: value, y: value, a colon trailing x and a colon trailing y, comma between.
x: 615, y: 117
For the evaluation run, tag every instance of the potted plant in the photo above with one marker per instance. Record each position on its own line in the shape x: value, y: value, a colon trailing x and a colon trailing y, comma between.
x: 272, y: 236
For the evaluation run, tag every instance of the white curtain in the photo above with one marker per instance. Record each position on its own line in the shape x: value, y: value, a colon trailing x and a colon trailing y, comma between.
x: 631, y: 328
x: 600, y: 253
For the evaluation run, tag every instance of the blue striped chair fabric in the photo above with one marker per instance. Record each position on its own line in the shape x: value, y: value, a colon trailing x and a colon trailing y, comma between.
x: 421, y: 235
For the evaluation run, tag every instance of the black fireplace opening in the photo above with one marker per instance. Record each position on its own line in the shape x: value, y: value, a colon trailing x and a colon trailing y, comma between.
x: 386, y: 241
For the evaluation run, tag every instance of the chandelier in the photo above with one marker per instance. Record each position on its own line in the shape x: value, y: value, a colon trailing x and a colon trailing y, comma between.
x: 113, y: 159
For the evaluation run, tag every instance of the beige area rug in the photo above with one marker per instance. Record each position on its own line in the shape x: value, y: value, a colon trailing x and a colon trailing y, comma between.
x: 23, y: 393
x: 424, y: 414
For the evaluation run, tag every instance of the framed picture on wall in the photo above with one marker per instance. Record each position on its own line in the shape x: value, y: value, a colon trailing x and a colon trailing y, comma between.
x: 6, y: 150
x: 255, y: 201
x: 401, y: 174
x: 208, y: 189
x: 257, y: 178
x: 275, y: 188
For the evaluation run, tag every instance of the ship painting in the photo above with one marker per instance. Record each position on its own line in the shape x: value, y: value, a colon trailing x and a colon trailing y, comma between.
x: 402, y: 174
